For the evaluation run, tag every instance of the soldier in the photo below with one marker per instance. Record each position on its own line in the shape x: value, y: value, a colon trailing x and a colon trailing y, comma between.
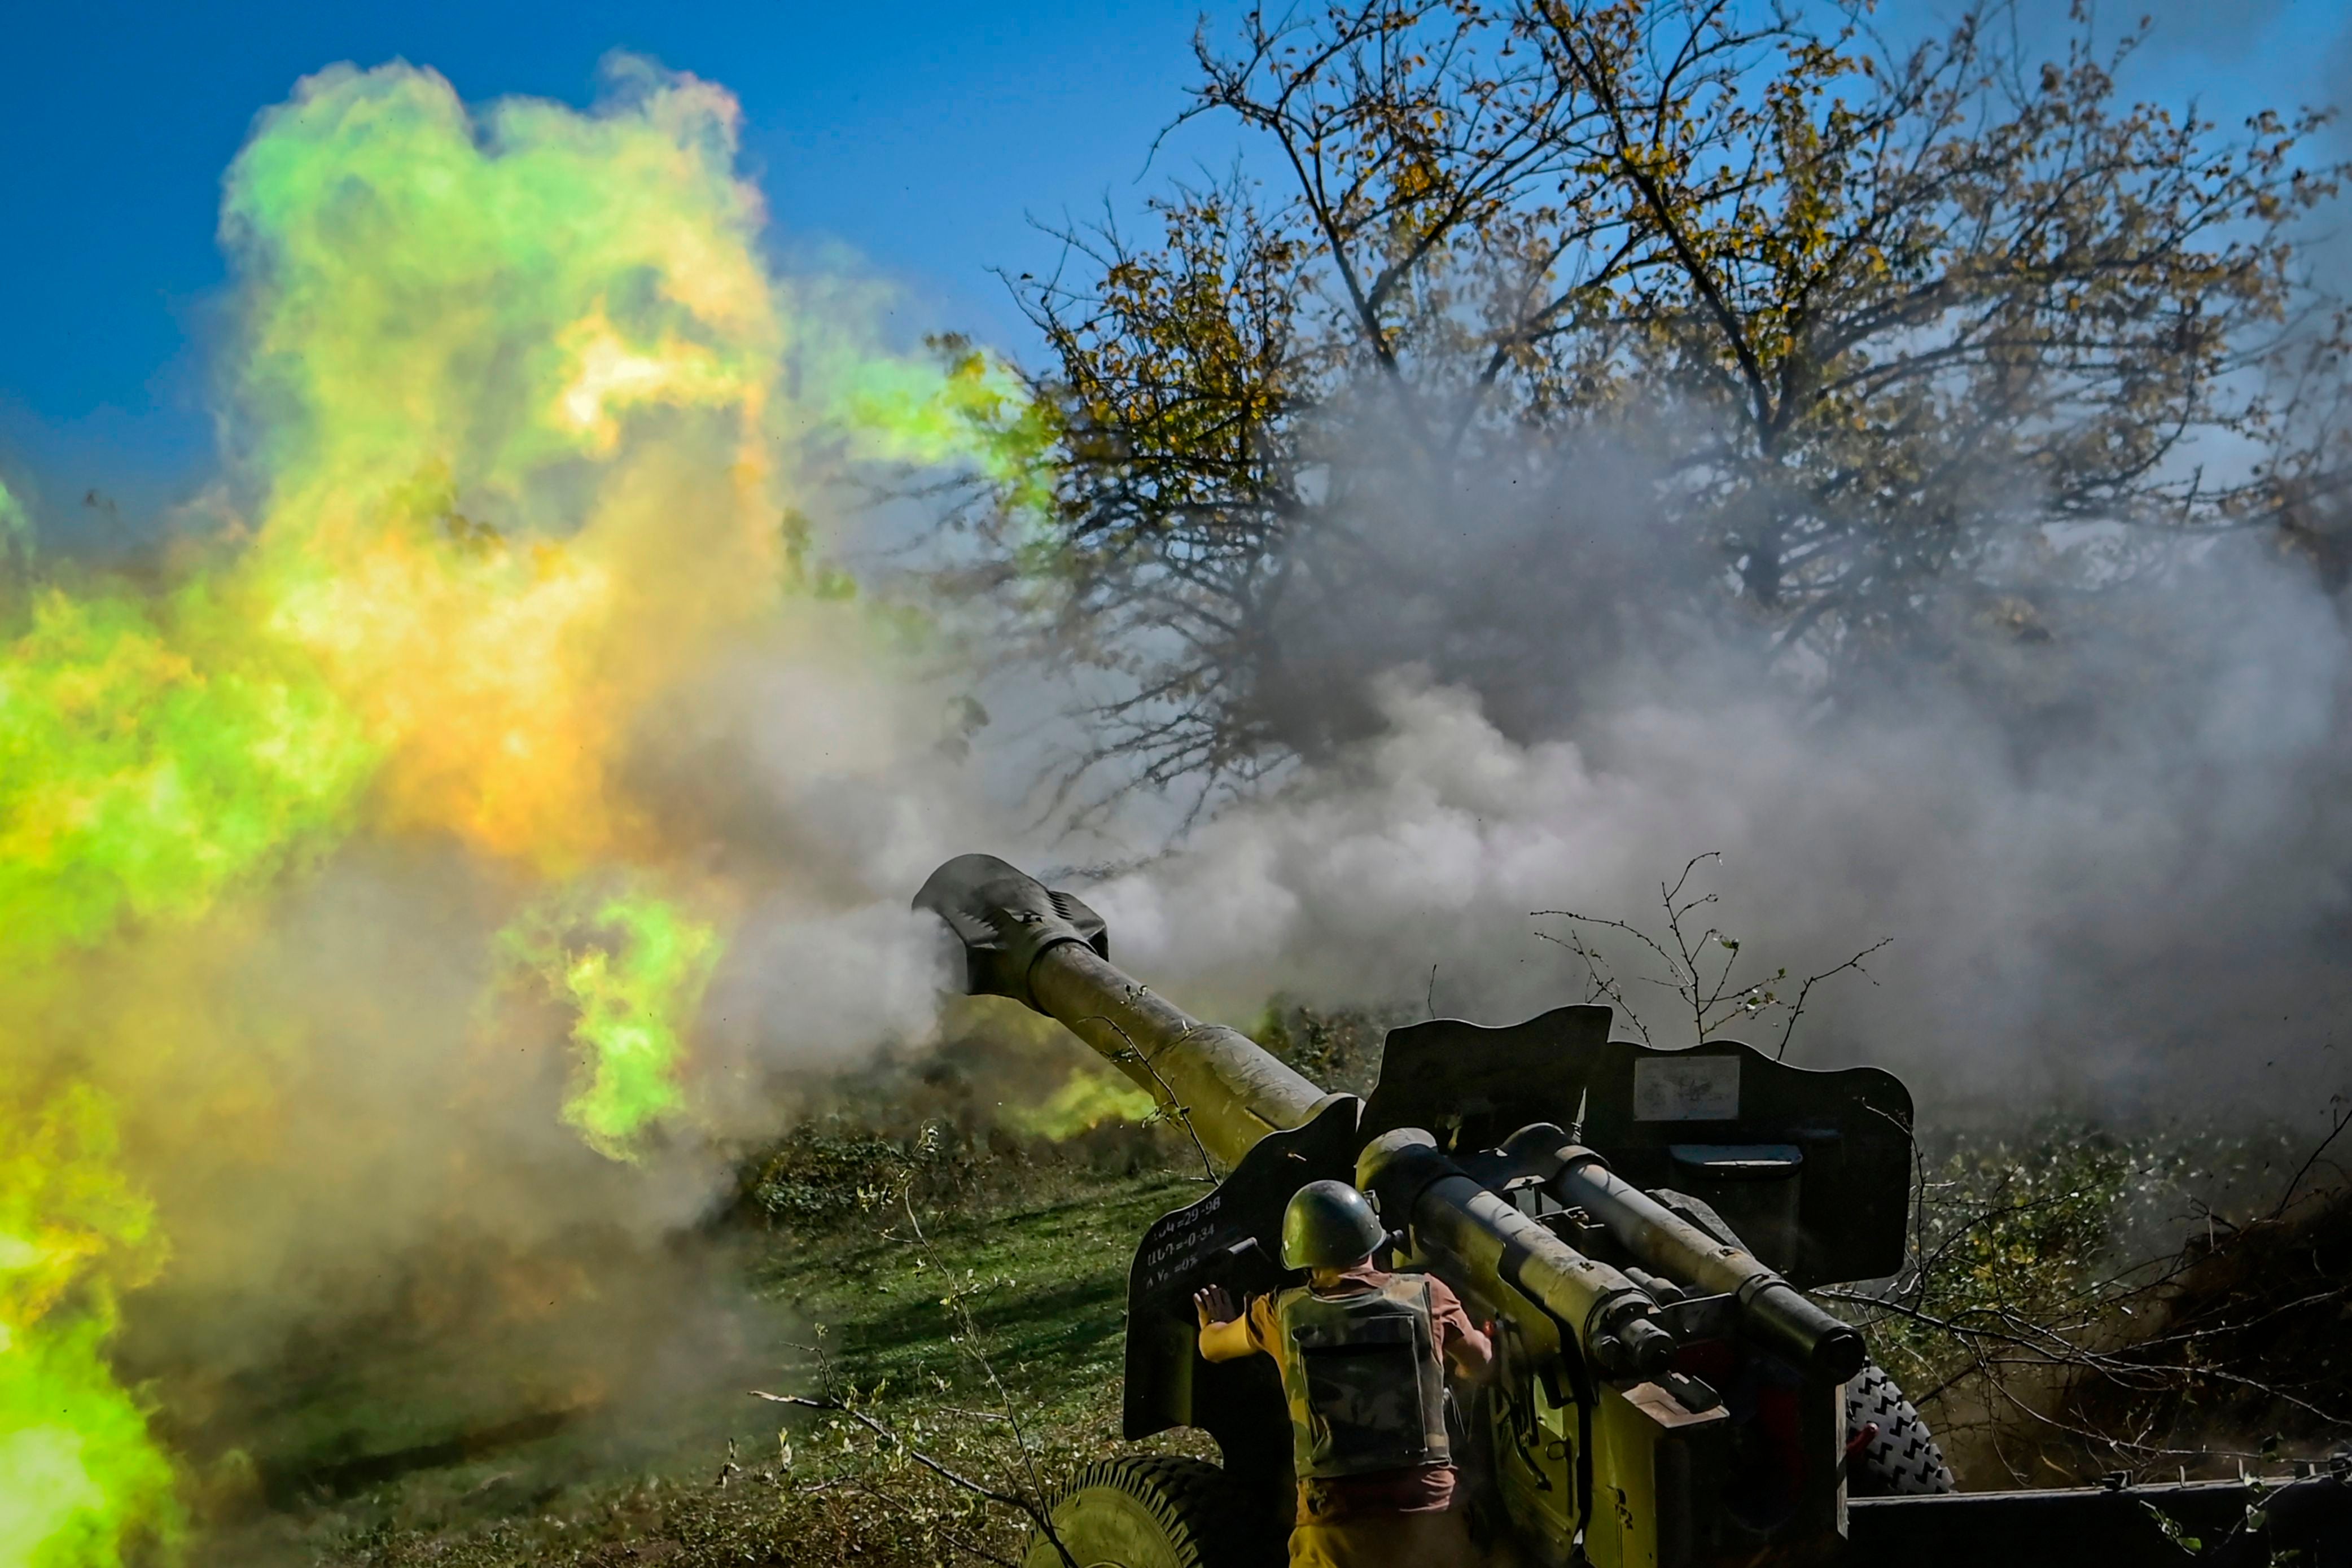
x: 1363, y: 1355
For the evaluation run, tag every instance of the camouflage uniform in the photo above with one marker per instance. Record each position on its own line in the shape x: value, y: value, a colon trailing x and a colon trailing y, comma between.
x: 1375, y: 1475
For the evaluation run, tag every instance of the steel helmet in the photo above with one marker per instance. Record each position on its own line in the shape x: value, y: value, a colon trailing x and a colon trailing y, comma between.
x: 1328, y: 1225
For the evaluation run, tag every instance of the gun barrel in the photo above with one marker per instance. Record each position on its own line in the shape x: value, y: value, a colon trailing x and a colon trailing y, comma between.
x: 1488, y: 1240
x: 1049, y: 952
x: 1229, y: 1089
x: 1774, y: 1313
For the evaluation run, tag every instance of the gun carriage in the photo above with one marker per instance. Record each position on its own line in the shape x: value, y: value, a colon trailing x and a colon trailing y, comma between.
x: 1639, y: 1226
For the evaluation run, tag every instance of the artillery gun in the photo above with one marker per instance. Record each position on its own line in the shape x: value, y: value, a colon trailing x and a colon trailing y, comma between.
x: 1638, y: 1225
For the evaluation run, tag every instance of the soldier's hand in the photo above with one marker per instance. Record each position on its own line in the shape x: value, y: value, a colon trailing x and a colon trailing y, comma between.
x: 1213, y: 1305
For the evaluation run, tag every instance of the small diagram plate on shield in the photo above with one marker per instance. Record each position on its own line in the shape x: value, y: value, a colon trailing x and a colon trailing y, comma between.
x: 1686, y: 1088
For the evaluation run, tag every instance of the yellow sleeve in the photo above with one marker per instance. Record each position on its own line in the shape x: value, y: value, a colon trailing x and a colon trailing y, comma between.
x: 1265, y: 1335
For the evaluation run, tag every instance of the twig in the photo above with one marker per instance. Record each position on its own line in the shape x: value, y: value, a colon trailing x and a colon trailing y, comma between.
x: 1797, y: 1009
x: 2339, y: 1116
x: 1168, y: 1104
x: 2073, y: 1326
x: 1031, y: 1504
x: 882, y: 1430
x: 1601, y: 981
x: 1714, y: 1000
x: 969, y: 1345
x: 1667, y: 895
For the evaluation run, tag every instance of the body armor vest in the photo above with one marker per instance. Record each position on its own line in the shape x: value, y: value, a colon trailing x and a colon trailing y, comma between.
x: 1366, y: 1389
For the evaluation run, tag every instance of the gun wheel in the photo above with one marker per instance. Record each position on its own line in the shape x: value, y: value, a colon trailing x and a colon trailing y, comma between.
x: 1901, y: 1459
x: 1152, y: 1513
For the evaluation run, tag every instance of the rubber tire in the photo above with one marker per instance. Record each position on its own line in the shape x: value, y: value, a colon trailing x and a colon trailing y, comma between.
x: 1140, y: 1513
x: 1903, y: 1459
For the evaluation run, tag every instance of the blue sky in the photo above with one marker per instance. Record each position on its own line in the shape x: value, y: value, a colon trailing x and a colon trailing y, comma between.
x: 920, y: 134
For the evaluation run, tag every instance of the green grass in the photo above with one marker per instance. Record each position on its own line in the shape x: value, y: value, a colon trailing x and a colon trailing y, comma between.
x: 857, y: 1306
x: 1045, y: 1284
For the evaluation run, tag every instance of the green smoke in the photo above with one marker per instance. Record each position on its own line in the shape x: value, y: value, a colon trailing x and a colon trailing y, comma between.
x: 632, y: 968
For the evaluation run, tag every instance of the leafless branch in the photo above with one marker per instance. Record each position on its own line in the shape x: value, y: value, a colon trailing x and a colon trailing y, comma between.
x: 1797, y: 1009
x: 1713, y: 992
x: 1168, y: 1105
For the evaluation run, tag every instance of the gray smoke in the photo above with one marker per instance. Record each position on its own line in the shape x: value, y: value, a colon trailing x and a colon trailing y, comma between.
x: 2110, y: 842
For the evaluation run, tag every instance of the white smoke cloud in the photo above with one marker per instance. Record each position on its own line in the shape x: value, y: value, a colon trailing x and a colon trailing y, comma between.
x: 2144, y: 902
